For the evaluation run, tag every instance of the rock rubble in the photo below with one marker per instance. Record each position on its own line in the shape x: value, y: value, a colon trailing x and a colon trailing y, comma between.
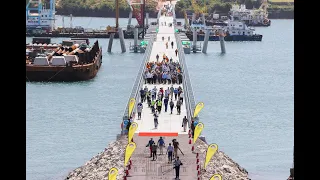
x: 113, y: 156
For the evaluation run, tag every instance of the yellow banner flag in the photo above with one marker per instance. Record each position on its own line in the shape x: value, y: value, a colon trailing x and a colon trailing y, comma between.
x: 113, y: 173
x: 216, y: 177
x: 129, y: 150
x: 132, y: 129
x: 198, y: 108
x: 212, y: 149
x: 131, y: 105
x: 197, y: 131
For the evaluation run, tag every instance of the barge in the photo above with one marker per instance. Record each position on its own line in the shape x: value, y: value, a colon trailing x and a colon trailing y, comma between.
x: 68, y: 62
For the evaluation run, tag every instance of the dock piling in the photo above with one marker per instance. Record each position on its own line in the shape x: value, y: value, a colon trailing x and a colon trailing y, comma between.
x: 147, y: 19
x: 194, y: 44
x: 110, y: 42
x: 135, y: 40
x: 205, y: 43
x: 130, y: 17
x: 221, y: 37
x: 121, y: 37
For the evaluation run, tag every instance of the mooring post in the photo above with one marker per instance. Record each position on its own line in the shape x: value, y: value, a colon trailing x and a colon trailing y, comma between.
x: 221, y: 37
x: 147, y: 19
x: 135, y: 43
x: 194, y: 44
x: 121, y: 37
x: 130, y: 17
x: 205, y: 43
x: 110, y: 42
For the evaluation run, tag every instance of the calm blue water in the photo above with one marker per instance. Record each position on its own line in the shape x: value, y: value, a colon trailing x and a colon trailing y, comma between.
x: 248, y: 96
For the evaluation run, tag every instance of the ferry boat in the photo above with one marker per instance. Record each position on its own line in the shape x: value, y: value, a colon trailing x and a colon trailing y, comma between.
x: 38, y: 17
x: 234, y: 31
x: 252, y: 17
x: 71, y: 61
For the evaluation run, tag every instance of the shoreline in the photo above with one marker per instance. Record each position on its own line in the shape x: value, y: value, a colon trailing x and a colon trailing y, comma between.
x: 125, y: 14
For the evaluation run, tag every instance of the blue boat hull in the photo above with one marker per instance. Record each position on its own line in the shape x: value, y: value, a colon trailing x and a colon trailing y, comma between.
x: 228, y: 38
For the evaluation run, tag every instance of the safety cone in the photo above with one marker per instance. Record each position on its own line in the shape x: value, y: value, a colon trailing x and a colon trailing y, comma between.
x: 127, y: 172
x: 198, y: 172
x: 197, y: 155
x: 189, y: 141
x: 124, y: 177
x: 130, y: 162
x: 197, y: 167
x: 189, y: 135
x: 192, y: 149
x: 129, y: 167
x: 197, y: 160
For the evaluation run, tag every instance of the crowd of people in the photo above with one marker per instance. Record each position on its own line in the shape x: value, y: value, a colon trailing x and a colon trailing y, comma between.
x: 172, y: 152
x: 163, y: 72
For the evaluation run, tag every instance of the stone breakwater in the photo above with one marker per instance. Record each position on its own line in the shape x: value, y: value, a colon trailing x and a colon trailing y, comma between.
x: 113, y: 156
x: 220, y: 163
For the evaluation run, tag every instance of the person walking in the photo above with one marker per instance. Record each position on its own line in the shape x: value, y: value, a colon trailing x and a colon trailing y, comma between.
x: 181, y: 97
x: 169, y: 151
x: 171, y: 105
x: 168, y: 38
x: 178, y: 105
x: 177, y: 163
x: 155, y: 120
x: 175, y: 147
x: 161, y: 145
x: 176, y: 51
x: 150, y: 146
x: 159, y: 104
x: 166, y: 45
x: 171, y: 91
x: 192, y: 128
x: 157, y: 57
x: 184, y: 123
x: 139, y: 109
x: 175, y: 91
x: 172, y: 44
x: 153, y: 102
x: 142, y: 95
x: 166, y: 101
x: 154, y: 151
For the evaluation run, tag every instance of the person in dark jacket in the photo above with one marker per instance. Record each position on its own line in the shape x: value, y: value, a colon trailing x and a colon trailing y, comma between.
x: 150, y: 143
x: 177, y: 163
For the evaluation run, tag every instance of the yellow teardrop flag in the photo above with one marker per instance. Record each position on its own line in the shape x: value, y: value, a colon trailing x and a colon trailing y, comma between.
x: 212, y: 149
x: 113, y: 173
x: 132, y: 129
x: 131, y: 105
x: 129, y: 150
x: 198, y: 108
x: 197, y: 131
x: 216, y: 177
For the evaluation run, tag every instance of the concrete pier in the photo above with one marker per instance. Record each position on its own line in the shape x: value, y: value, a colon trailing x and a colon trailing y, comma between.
x: 130, y: 18
x: 221, y: 37
x: 194, y: 44
x: 135, y: 42
x: 169, y: 127
x: 121, y: 37
x: 110, y: 42
x: 205, y: 43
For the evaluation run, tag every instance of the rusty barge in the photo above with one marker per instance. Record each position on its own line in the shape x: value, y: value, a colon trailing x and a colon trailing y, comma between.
x: 69, y: 62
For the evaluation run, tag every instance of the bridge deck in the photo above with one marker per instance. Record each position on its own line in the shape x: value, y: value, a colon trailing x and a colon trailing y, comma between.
x: 142, y: 167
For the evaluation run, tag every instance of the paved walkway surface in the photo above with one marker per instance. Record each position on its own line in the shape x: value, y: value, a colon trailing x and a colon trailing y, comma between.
x: 143, y: 168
